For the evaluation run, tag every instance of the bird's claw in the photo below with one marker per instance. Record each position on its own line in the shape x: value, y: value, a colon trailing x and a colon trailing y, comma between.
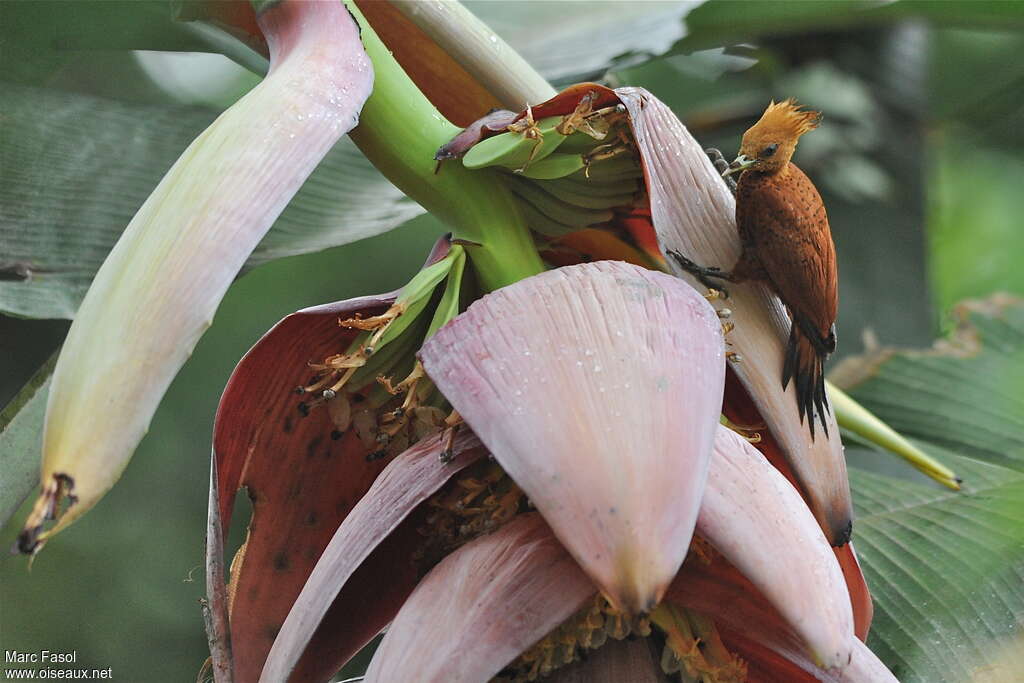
x: 722, y: 166
x: 702, y: 274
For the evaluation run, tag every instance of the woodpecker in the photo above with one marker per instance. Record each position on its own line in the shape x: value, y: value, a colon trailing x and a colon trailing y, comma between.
x: 787, y: 245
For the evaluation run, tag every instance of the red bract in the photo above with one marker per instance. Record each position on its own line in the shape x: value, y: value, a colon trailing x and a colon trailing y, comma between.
x: 284, y: 460
x: 302, y: 474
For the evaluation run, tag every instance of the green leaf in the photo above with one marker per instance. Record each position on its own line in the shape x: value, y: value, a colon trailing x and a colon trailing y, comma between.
x: 718, y: 22
x: 570, y: 41
x: 75, y: 168
x: 41, y: 37
x: 974, y: 206
x: 21, y: 433
x: 969, y: 90
x: 947, y: 569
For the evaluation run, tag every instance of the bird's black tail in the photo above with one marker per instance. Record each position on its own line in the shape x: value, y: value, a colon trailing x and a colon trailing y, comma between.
x: 805, y: 360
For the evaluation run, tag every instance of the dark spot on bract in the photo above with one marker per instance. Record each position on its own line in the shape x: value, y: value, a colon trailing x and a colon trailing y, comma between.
x: 843, y: 537
x: 336, y: 434
x: 281, y: 562
x: 289, y: 424
x: 312, y: 518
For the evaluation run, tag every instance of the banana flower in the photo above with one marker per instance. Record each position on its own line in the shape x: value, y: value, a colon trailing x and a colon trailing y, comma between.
x: 584, y: 448
x: 514, y: 486
x: 560, y: 516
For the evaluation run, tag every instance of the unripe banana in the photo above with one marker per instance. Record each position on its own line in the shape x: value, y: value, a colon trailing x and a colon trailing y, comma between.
x: 622, y: 166
x: 580, y: 142
x: 514, y: 149
x: 556, y: 209
x: 543, y: 224
x: 594, y: 197
x: 597, y: 187
x: 557, y: 165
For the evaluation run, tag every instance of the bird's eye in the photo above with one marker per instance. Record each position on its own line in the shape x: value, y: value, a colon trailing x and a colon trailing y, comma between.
x: 769, y: 150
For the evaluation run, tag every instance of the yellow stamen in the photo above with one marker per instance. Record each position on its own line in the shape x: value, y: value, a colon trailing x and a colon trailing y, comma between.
x: 374, y: 322
x: 694, y: 646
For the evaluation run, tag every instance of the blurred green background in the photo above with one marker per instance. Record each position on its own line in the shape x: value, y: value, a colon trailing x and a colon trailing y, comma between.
x: 919, y: 161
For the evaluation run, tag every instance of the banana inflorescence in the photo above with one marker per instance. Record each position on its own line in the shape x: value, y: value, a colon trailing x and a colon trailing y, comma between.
x: 376, y: 386
x: 570, y: 172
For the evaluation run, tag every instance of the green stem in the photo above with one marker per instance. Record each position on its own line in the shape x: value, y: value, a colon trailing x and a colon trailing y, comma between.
x: 399, y: 132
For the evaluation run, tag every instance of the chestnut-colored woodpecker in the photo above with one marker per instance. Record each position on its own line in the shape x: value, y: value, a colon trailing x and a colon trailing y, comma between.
x: 786, y: 244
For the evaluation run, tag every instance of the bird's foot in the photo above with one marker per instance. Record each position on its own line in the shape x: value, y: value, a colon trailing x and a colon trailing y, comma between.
x: 703, y: 274
x: 722, y: 166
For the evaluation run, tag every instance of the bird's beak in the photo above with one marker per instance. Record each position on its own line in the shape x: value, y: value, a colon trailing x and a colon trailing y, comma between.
x: 742, y: 163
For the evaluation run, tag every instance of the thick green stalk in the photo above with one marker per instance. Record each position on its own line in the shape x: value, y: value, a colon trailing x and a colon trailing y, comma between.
x: 399, y: 132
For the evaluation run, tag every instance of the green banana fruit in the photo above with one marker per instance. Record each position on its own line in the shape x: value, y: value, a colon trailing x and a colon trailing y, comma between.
x: 592, y: 197
x: 620, y: 177
x: 580, y: 142
x: 514, y: 149
x: 556, y: 209
x: 598, y: 187
x: 622, y: 166
x: 557, y: 165
x: 544, y: 225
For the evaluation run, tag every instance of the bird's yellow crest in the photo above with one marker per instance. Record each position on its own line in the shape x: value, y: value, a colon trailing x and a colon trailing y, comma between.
x: 788, y: 119
x: 768, y: 145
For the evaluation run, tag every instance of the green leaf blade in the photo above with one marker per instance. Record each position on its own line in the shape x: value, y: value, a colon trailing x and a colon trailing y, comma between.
x: 21, y: 435
x: 947, y: 569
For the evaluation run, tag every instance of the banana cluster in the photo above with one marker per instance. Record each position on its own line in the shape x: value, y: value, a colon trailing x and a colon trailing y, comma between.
x: 571, y: 172
x: 359, y: 388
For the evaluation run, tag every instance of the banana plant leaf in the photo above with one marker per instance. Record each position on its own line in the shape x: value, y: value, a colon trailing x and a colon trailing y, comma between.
x: 947, y: 569
x: 716, y: 21
x: 598, y: 36
x: 21, y: 430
